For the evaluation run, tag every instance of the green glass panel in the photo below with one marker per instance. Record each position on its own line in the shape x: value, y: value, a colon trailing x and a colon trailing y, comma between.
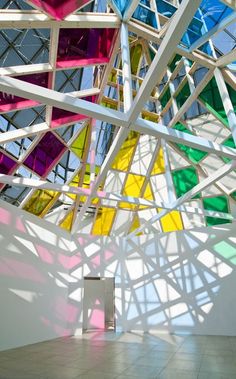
x: 172, y: 65
x: 194, y: 155
x: 220, y: 115
x: 165, y: 97
x: 184, y: 180
x: 230, y: 143
x: 79, y: 144
x: 152, y: 54
x: 135, y: 56
x: 232, y: 95
x: 227, y: 250
x: 211, y: 96
x: 183, y: 95
x: 218, y: 203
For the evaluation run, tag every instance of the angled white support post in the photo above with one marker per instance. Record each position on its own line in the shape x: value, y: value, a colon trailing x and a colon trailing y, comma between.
x: 168, y: 176
x: 226, y: 59
x: 122, y: 133
x: 220, y: 173
x: 227, y: 103
x: 130, y: 10
x: 177, y: 27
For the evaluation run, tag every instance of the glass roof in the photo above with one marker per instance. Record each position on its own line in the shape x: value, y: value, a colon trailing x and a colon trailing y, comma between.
x: 118, y: 117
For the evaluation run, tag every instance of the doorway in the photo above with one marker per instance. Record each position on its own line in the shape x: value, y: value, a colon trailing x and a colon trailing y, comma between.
x: 99, y: 304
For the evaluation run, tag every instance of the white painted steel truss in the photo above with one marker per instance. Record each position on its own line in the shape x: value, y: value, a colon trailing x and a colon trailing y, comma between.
x: 132, y: 104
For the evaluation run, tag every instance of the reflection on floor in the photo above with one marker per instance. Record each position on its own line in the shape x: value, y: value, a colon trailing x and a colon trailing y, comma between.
x: 125, y: 356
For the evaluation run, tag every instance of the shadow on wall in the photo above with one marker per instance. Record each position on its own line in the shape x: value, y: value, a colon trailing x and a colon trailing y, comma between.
x: 34, y: 263
x: 180, y: 281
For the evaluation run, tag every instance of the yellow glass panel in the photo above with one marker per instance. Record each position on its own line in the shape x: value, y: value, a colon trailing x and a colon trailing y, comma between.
x: 135, y: 224
x: 171, y: 222
x: 103, y: 223
x: 39, y: 201
x: 66, y: 223
x: 159, y: 165
x: 147, y: 195
x: 123, y: 158
x: 133, y: 188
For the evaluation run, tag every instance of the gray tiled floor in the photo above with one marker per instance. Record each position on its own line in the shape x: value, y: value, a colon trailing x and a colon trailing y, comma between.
x: 110, y: 355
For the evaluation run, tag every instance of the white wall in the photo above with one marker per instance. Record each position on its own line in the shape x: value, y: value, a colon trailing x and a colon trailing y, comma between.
x: 180, y: 282
x: 34, y: 262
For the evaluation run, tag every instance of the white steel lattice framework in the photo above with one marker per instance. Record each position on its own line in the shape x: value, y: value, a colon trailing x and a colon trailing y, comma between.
x: 134, y: 126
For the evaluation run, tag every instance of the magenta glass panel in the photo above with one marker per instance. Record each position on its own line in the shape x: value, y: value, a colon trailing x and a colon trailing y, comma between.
x: 7, y: 165
x: 84, y: 46
x: 59, y: 9
x: 9, y: 102
x: 45, y: 154
x: 60, y: 116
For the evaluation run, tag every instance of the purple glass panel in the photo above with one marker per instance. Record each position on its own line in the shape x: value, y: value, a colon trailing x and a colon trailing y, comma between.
x: 59, y: 9
x: 9, y: 102
x: 45, y: 154
x: 85, y: 45
x: 7, y: 165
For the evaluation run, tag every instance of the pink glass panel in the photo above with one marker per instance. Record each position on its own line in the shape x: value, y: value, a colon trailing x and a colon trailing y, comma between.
x: 9, y: 102
x: 60, y: 116
x: 84, y: 46
x: 45, y: 154
x: 59, y: 9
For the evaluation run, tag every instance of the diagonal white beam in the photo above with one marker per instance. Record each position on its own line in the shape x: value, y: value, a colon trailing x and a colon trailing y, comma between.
x: 227, y: 103
x: 161, y: 131
x: 67, y: 102
x: 220, y: 173
x: 156, y: 71
x: 216, y: 29
x: 17, y: 19
x: 130, y: 10
x: 60, y: 100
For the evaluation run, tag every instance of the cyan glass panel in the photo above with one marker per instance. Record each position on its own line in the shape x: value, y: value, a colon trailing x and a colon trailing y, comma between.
x: 145, y: 15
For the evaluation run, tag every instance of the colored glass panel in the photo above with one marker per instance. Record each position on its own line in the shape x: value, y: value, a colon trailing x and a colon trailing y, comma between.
x: 79, y: 144
x: 59, y: 9
x: 7, y: 165
x: 135, y: 225
x: 184, y: 180
x: 165, y: 97
x: 211, y: 97
x: 194, y: 155
x: 218, y: 203
x: 39, y: 201
x: 123, y: 158
x: 159, y: 165
x: 135, y: 56
x: 84, y: 46
x: 67, y: 222
x: 133, y: 188
x: 171, y: 222
x: 183, y: 95
x: 148, y: 195
x: 230, y: 143
x: 104, y: 221
x: 45, y: 154
x: 172, y: 65
x: 145, y: 15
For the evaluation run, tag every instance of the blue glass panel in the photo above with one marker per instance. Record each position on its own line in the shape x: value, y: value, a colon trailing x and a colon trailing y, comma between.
x: 145, y: 15
x: 122, y: 5
x: 165, y: 8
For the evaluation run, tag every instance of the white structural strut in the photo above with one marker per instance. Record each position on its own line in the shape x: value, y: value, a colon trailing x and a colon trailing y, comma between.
x: 157, y: 69
x: 227, y: 103
x: 10, y: 19
x: 70, y: 103
x: 60, y: 100
x: 220, y: 173
x: 226, y: 59
x: 102, y: 195
x: 130, y: 10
